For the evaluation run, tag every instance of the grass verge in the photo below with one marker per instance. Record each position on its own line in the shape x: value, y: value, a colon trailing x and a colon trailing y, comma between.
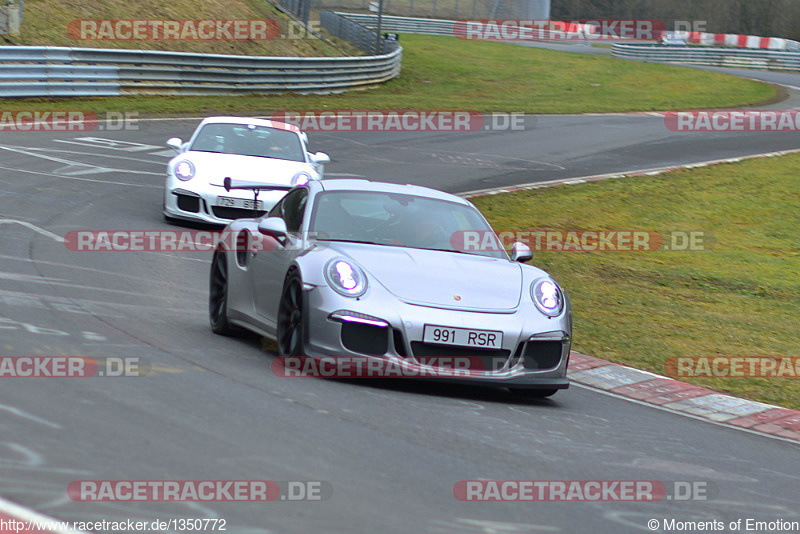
x: 454, y: 74
x: 47, y: 23
x: 738, y: 297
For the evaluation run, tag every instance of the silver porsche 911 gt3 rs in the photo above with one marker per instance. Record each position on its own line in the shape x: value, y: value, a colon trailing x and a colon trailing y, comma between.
x: 353, y: 268
x: 245, y: 149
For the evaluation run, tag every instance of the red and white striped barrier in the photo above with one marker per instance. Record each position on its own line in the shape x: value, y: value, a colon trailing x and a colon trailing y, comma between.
x: 730, y: 39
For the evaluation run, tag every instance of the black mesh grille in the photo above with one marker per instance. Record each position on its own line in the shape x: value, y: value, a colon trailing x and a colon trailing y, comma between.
x: 365, y: 339
x: 488, y: 359
x: 542, y: 354
x: 187, y: 203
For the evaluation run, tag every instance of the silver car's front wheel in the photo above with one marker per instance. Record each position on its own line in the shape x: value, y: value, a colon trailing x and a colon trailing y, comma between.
x: 218, y: 296
x: 291, y: 323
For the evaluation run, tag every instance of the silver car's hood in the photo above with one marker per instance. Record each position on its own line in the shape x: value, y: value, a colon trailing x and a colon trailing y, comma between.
x: 440, y: 279
x: 215, y: 167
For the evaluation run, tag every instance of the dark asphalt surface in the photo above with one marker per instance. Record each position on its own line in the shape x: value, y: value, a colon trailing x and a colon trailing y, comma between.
x: 211, y: 408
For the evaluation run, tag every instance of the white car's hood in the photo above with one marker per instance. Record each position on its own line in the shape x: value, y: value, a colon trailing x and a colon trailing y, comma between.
x: 215, y: 167
x: 440, y: 279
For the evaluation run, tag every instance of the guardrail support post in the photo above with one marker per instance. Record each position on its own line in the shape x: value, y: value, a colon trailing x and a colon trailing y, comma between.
x: 378, y: 35
x: 10, y: 16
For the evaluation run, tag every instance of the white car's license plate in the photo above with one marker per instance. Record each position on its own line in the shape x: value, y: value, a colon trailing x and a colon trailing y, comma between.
x: 229, y: 202
x: 462, y: 337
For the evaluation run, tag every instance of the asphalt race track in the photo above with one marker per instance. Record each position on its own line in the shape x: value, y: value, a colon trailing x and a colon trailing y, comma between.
x: 391, y: 452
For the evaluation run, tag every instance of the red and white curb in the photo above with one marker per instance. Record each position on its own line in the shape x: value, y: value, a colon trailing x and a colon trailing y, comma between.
x: 684, y: 398
x: 11, y: 512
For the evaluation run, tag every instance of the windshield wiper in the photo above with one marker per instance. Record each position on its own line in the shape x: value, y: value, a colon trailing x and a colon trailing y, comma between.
x: 444, y: 250
x: 476, y: 253
x: 354, y: 241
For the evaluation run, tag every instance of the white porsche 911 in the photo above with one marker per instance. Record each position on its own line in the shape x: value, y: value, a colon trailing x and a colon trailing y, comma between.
x: 243, y: 149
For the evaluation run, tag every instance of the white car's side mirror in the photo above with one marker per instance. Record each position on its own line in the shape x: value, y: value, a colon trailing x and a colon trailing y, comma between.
x: 175, y: 143
x: 320, y: 158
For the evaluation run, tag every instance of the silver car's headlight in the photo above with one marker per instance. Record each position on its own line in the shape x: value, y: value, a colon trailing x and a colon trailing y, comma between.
x: 184, y: 170
x: 345, y: 278
x: 301, y: 178
x: 548, y: 297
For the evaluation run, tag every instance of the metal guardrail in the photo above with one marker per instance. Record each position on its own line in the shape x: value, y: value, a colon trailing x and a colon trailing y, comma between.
x: 454, y: 28
x: 403, y: 24
x: 710, y: 56
x: 447, y: 9
x: 714, y: 56
x: 33, y: 71
x: 360, y: 35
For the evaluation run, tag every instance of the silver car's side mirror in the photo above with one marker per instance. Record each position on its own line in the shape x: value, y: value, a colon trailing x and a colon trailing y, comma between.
x: 521, y: 252
x: 274, y: 227
x: 175, y: 143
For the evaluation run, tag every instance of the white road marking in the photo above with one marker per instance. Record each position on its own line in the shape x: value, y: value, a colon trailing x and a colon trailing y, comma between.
x: 620, y: 174
x: 681, y: 413
x: 108, y: 144
x: 169, y: 153
x: 89, y: 269
x: 26, y: 415
x: 71, y: 168
x: 47, y: 233
x: 39, y: 173
x: 98, y: 155
x: 86, y: 306
x: 18, y: 277
x: 466, y: 524
x: 32, y: 458
x: 24, y: 514
x: 37, y: 280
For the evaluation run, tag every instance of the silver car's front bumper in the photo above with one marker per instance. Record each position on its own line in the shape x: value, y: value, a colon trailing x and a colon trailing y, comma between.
x: 534, y: 353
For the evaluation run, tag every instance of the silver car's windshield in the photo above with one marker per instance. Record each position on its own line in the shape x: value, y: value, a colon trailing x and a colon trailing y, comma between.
x: 249, y: 140
x: 402, y: 220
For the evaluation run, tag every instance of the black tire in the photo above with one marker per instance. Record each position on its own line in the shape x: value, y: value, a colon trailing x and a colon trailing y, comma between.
x: 218, y: 296
x: 534, y: 393
x: 291, y: 317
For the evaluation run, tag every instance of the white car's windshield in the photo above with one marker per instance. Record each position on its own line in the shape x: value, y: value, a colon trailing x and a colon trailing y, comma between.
x: 402, y: 220
x: 249, y: 140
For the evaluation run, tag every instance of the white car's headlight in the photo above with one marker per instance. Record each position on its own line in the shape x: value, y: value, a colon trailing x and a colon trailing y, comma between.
x: 184, y: 170
x: 301, y: 178
x: 548, y: 297
x: 345, y: 278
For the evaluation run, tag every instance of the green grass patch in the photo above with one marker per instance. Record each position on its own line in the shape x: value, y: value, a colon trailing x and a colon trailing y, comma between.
x: 46, y: 23
x: 738, y: 297
x: 449, y: 73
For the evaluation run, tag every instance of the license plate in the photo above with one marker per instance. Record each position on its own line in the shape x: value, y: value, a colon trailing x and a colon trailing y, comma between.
x: 462, y: 337
x: 228, y: 202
